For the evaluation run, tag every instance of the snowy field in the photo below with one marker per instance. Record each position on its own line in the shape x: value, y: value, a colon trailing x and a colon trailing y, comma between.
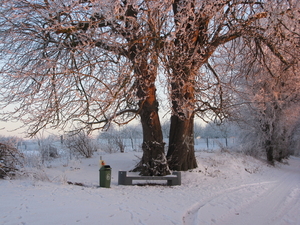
x: 226, y: 188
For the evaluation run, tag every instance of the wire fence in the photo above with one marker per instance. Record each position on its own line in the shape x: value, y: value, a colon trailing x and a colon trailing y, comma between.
x: 133, y: 144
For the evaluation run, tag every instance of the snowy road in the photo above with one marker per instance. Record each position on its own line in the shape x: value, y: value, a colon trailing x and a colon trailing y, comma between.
x: 276, y: 201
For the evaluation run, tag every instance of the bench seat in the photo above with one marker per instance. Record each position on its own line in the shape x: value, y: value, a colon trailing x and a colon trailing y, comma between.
x: 126, y: 179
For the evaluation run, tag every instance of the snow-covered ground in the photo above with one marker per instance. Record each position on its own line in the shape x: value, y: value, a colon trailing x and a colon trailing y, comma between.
x: 226, y: 188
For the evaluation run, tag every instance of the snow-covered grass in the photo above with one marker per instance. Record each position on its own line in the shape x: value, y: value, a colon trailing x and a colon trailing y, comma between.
x: 226, y: 188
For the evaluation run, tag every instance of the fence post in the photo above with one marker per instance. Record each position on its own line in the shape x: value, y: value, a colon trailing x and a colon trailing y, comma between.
x: 207, y: 142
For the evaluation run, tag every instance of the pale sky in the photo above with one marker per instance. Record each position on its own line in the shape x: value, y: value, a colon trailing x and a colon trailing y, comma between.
x: 11, y: 129
x: 8, y: 129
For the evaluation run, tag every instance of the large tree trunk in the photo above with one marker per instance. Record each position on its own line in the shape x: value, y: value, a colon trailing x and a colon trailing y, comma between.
x: 181, y: 154
x: 153, y: 162
x: 184, y: 61
x: 144, y: 58
x: 181, y: 144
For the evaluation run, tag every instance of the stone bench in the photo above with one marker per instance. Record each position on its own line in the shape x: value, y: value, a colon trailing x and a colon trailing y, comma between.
x: 126, y: 179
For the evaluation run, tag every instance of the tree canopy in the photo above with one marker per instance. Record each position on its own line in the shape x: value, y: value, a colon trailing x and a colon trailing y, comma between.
x: 91, y: 63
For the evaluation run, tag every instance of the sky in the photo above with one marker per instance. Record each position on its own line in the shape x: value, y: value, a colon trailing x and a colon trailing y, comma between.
x: 13, y: 129
x: 9, y: 129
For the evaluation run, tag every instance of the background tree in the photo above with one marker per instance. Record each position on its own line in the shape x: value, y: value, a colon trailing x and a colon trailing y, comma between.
x: 265, y: 76
x: 270, y: 92
x: 295, y: 142
x: 11, y: 160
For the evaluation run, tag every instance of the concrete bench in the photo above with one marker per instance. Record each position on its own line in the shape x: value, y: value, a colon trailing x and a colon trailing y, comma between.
x: 125, y: 179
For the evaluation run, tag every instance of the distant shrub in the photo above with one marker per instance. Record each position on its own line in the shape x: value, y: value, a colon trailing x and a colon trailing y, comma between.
x: 81, y: 144
x: 46, y: 148
x: 48, y: 151
x: 10, y: 160
x: 115, y: 144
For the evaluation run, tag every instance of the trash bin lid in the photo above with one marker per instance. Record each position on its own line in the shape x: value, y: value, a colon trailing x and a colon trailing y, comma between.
x: 105, y: 167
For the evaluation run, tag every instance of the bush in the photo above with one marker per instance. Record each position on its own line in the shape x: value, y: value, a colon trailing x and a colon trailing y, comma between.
x: 46, y: 148
x: 115, y: 144
x: 10, y: 160
x: 81, y: 144
x: 48, y: 152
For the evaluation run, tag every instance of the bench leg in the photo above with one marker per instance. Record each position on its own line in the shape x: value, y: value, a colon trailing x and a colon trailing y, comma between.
x: 122, y: 177
x: 175, y: 181
x: 123, y: 180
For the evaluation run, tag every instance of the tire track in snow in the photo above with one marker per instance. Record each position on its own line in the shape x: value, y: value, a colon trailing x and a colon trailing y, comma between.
x: 191, y: 217
x: 274, y: 206
x: 257, y: 203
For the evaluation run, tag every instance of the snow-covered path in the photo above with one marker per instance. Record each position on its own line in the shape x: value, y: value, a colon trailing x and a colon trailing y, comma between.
x: 274, y: 201
x: 279, y: 203
x: 227, y: 188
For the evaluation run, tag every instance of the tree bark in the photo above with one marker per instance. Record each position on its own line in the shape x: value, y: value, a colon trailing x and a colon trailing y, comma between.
x: 145, y: 62
x: 269, y: 151
x: 181, y: 154
x: 153, y: 162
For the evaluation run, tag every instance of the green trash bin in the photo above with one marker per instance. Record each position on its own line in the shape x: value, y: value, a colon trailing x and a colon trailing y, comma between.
x: 105, y: 176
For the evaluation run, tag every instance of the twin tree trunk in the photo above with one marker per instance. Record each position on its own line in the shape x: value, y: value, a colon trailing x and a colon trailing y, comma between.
x: 180, y: 155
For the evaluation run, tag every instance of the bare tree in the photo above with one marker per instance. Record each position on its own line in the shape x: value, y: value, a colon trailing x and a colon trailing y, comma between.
x: 83, y: 62
x: 200, y: 29
x: 270, y: 91
x: 144, y: 42
x: 93, y: 63
x: 265, y: 75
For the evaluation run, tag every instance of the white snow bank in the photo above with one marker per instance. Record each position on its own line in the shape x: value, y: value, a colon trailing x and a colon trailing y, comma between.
x: 226, y: 188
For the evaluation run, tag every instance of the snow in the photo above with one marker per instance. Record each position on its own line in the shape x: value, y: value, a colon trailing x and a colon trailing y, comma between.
x: 226, y: 188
